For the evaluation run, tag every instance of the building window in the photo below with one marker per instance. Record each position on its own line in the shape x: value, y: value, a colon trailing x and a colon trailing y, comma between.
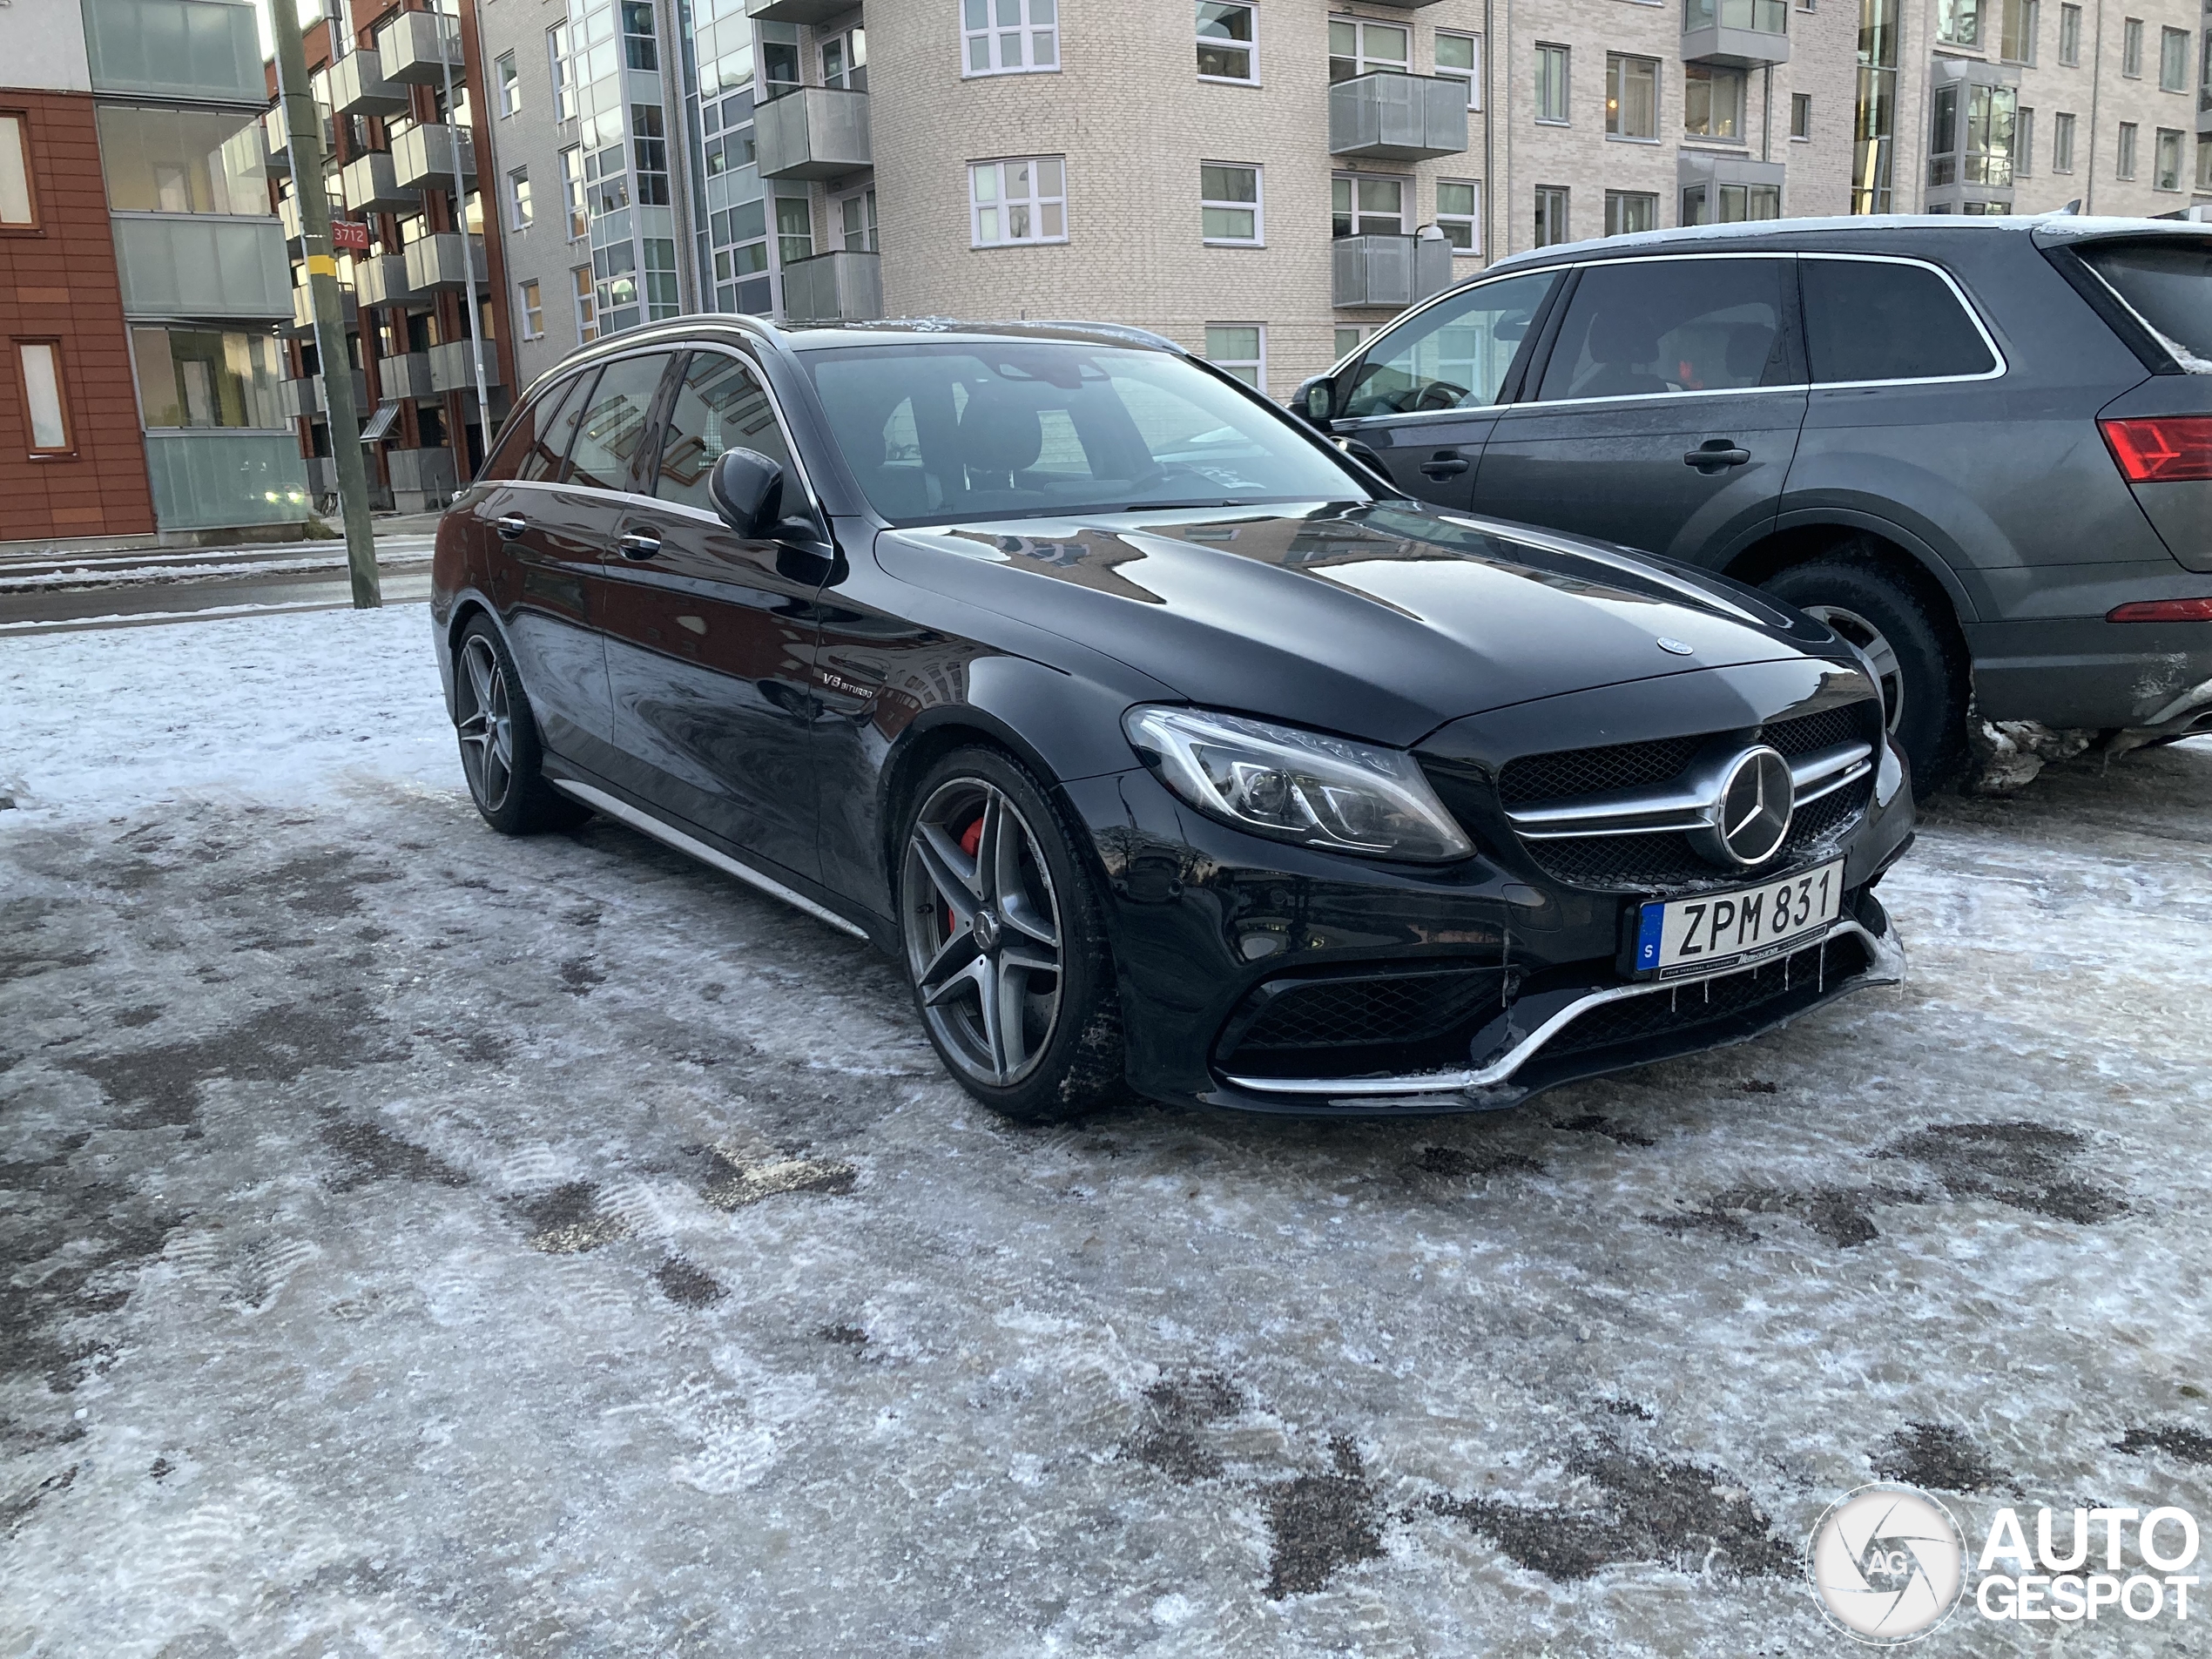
x: 740, y: 239
x: 1958, y: 22
x: 1367, y: 206
x: 1730, y: 204
x: 2062, y: 143
x: 1007, y: 36
x: 1551, y: 215
x: 573, y: 192
x: 2070, y: 36
x: 1459, y: 214
x: 794, y: 229
x: 2173, y: 60
x: 17, y: 207
x: 1551, y: 85
x: 1017, y: 201
x: 2127, y: 158
x: 1229, y: 207
x: 518, y: 199
x: 1631, y: 97
x: 845, y: 61
x: 587, y: 308
x: 856, y: 221
x: 507, y: 88
x: 533, y: 309
x: 641, y: 46
x: 1712, y: 102
x: 182, y: 161
x: 2204, y: 163
x: 2023, y: 144
x: 2016, y: 29
x: 562, y: 65
x: 2131, y: 49
x: 1358, y: 48
x: 1458, y: 57
x: 1629, y: 211
x: 45, y: 416
x: 1239, y: 349
x: 1228, y: 43
x: 2166, y: 174
x: 1347, y: 340
x: 1979, y: 150
x: 1801, y: 116
x: 192, y: 377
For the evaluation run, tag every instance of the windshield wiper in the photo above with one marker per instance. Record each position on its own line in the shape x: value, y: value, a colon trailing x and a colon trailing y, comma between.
x: 1178, y: 506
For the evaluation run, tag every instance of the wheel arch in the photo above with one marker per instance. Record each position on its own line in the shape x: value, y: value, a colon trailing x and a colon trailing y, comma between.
x: 934, y: 734
x: 1917, y: 568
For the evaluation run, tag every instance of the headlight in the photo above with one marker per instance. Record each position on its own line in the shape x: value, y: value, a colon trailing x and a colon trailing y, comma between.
x: 1294, y: 785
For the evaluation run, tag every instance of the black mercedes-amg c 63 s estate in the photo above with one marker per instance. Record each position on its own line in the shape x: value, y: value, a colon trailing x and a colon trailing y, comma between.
x: 1170, y: 748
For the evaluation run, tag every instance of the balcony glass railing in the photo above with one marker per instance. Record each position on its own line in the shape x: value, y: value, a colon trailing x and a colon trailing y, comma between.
x: 1765, y: 17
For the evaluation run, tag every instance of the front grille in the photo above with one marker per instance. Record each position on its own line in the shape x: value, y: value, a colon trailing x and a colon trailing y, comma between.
x: 1706, y: 1002
x: 1591, y: 771
x: 1627, y: 862
x: 1339, y: 1027
x: 1852, y: 722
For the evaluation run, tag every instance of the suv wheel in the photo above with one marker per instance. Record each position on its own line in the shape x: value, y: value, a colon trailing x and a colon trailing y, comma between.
x: 1005, y: 943
x: 500, y: 753
x: 1923, y: 693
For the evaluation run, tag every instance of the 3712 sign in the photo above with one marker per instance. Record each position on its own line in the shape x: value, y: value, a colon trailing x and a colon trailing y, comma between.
x: 348, y: 234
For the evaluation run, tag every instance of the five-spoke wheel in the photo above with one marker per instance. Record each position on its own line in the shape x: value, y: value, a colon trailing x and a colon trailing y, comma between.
x: 485, y: 718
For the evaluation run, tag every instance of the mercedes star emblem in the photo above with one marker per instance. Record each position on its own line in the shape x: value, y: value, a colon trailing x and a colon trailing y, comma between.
x: 1752, y: 809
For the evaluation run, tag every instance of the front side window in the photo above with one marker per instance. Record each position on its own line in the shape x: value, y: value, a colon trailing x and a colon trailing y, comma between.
x: 1551, y: 215
x: 1643, y: 328
x: 1552, y: 84
x: 1458, y: 57
x: 1631, y: 97
x: 533, y: 309
x: 1230, y: 209
x: 46, y: 413
x: 506, y: 84
x: 1239, y: 349
x: 1958, y: 22
x: 1228, y: 42
x: 1008, y: 37
x: 1868, y: 320
x: 1360, y: 48
x: 1712, y: 102
x: 721, y: 405
x: 194, y: 377
x: 1630, y: 210
x: 2131, y: 49
x: 2070, y: 36
x: 944, y: 433
x: 2173, y: 60
x: 2167, y: 171
x: 1452, y: 355
x: 1017, y: 201
x: 182, y: 161
x: 1459, y: 214
x: 613, y: 424
x: 16, y: 208
x: 1367, y: 207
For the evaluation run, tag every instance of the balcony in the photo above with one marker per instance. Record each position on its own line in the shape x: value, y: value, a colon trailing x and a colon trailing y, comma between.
x: 382, y: 279
x: 453, y: 365
x: 421, y: 479
x: 358, y: 86
x: 202, y: 267
x: 302, y: 399
x: 806, y: 12
x: 206, y: 480
x: 812, y: 132
x: 439, y: 262
x: 1390, y: 271
x: 406, y: 377
x: 844, y: 286
x: 422, y: 157
x: 195, y: 50
x: 416, y: 48
x: 1391, y: 116
x: 370, y: 185
x: 1741, y: 34
x: 322, y: 477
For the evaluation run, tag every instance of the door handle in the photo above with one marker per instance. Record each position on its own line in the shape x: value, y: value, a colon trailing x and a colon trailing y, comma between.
x: 639, y: 544
x: 510, y: 527
x: 1444, y: 464
x: 1714, y: 454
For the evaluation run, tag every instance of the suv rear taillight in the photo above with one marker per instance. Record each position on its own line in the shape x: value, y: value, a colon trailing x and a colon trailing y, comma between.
x: 2162, y: 610
x: 2161, y: 449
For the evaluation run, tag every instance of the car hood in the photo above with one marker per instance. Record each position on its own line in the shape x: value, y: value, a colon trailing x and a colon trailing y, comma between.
x: 1378, y: 621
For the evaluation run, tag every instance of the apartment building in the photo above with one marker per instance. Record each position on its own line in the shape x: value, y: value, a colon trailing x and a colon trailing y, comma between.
x: 1267, y: 180
x: 141, y: 275
x: 401, y: 91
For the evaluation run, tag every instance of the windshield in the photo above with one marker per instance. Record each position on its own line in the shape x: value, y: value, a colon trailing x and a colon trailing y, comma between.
x: 2169, y: 284
x: 944, y: 434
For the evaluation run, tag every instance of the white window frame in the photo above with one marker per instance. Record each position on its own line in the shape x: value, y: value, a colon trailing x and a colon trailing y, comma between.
x: 1566, y: 58
x: 1472, y: 221
x: 1258, y: 365
x: 507, y: 84
x: 522, y: 206
x: 1357, y: 213
x: 1614, y: 196
x: 1624, y: 59
x: 575, y: 199
x: 1565, y: 197
x: 18, y: 193
x: 1036, y: 201
x: 992, y: 37
x: 529, y: 300
x: 584, y: 296
x: 562, y: 66
x: 1472, y: 76
x: 1256, y: 207
x: 1250, y: 48
x: 1361, y: 63
x: 871, y: 242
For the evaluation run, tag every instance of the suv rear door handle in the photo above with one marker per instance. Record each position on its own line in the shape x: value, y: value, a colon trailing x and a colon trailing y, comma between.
x: 1444, y: 464
x: 639, y: 544
x: 510, y: 527
x: 1714, y: 454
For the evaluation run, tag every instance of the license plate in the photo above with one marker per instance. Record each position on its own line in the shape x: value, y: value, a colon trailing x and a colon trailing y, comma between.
x: 1717, y: 931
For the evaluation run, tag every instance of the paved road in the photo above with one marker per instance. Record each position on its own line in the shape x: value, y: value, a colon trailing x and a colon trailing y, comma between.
x: 135, y: 588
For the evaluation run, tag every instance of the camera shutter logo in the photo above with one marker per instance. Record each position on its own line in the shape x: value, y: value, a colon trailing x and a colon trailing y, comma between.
x: 1888, y: 1563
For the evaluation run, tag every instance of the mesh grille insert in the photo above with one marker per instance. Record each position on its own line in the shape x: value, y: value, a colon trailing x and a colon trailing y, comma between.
x: 1589, y: 771
x: 1396, y: 1008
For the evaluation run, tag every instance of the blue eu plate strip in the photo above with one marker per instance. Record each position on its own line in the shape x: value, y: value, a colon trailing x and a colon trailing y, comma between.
x: 1654, y: 920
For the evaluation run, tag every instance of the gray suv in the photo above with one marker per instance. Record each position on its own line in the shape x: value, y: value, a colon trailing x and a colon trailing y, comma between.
x: 1979, y: 449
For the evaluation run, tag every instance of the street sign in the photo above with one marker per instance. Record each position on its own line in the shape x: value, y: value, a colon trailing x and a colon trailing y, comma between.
x: 348, y: 234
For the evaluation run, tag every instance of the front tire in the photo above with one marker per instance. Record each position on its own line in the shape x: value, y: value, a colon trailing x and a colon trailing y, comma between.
x: 501, y: 754
x: 1005, y: 942
x: 1922, y: 677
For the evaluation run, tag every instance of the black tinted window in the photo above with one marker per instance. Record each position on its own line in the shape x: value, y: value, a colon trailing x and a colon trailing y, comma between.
x: 1654, y: 326
x: 1867, y: 321
x: 528, y: 445
x: 2168, y: 283
x: 719, y: 406
x: 614, y: 422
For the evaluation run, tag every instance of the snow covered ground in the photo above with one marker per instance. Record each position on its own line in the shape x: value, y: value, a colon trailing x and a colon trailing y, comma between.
x: 416, y: 1242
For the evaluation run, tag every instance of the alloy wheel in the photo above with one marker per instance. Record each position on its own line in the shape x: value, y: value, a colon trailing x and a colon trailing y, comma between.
x: 983, y: 931
x: 1855, y: 630
x: 486, y: 724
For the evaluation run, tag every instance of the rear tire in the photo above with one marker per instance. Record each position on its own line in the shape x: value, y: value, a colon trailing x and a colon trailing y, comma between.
x: 1005, y: 942
x: 1922, y: 672
x: 501, y: 754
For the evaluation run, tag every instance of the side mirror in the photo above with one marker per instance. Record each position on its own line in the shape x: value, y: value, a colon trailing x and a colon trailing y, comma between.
x: 747, y: 490
x: 1317, y: 401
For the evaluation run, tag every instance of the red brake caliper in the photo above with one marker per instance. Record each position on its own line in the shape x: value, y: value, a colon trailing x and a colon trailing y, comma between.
x: 970, y: 839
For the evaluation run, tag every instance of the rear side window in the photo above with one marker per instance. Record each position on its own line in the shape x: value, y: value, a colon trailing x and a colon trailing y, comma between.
x: 1867, y: 320
x: 2169, y: 284
x: 1642, y: 327
x: 521, y: 439
x: 719, y: 406
x: 614, y: 422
